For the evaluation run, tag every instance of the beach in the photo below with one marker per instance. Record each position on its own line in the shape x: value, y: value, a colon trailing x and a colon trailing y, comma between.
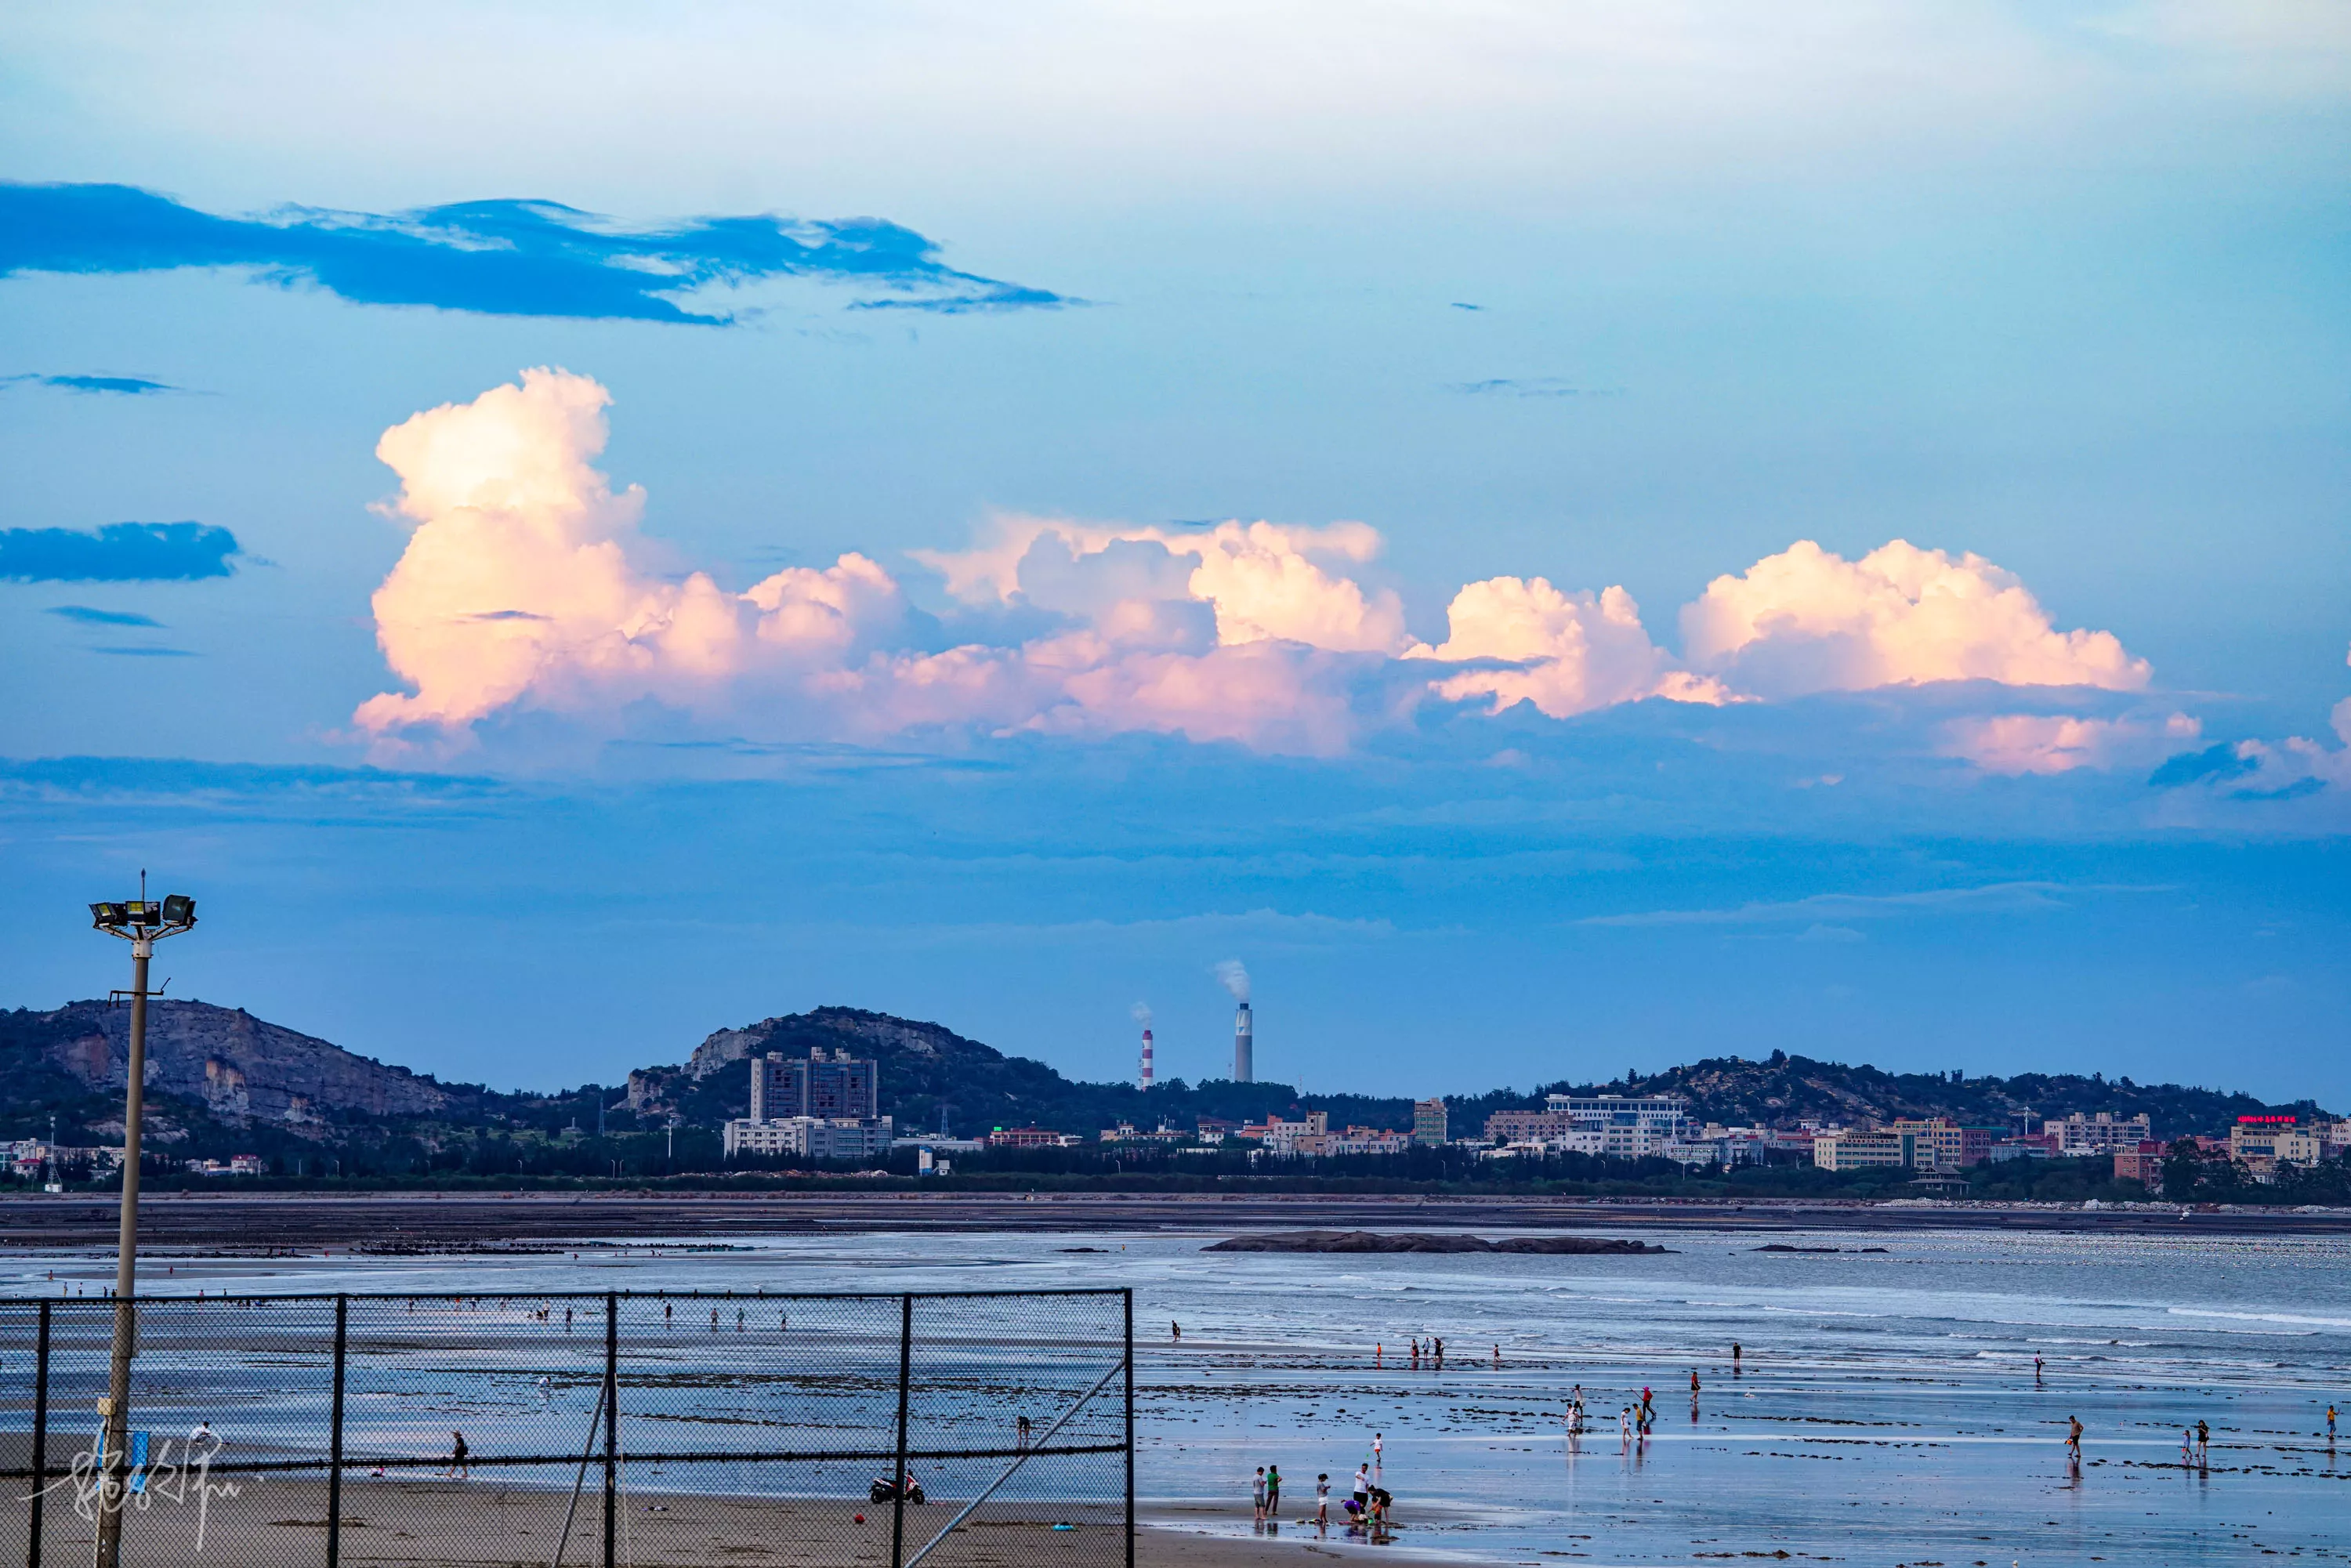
x: 1886, y: 1407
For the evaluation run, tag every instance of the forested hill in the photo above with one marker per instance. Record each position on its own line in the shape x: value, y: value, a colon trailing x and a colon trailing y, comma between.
x: 925, y: 1066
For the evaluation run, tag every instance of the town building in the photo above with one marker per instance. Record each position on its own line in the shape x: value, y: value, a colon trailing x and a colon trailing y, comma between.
x: 1934, y: 1144
x: 1031, y: 1138
x: 1663, y: 1117
x: 2104, y: 1134
x: 2141, y: 1163
x: 1428, y: 1124
x: 2264, y: 1143
x: 811, y: 1138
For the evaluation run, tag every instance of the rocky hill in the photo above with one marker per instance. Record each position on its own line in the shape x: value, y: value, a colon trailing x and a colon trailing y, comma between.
x: 238, y: 1067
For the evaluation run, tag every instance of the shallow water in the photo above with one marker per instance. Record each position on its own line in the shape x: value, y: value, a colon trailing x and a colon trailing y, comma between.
x: 1886, y: 1410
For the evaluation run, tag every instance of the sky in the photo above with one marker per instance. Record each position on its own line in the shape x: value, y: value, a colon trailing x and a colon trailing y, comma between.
x: 1564, y: 538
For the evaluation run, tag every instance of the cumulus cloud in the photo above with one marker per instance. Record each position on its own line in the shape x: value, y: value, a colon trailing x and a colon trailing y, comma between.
x: 1567, y: 653
x: 528, y: 583
x: 1807, y: 619
x: 525, y: 576
x: 1265, y: 581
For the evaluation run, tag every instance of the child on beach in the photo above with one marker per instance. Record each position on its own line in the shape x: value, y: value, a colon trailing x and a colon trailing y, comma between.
x: 1322, y: 1500
x: 1273, y: 1491
x: 1257, y: 1494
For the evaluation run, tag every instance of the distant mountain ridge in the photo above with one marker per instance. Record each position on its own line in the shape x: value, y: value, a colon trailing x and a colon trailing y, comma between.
x: 223, y: 1066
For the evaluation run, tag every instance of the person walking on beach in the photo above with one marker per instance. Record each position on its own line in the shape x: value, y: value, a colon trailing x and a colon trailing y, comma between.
x: 2330, y: 1425
x: 1625, y: 1426
x: 1693, y: 1384
x: 2203, y: 1441
x: 1378, y: 1447
x: 2073, y: 1441
x: 2036, y: 1367
x: 1273, y: 1491
x: 1322, y: 1501
x: 1020, y: 1430
x: 1734, y: 1358
x: 1257, y: 1494
x: 1175, y: 1331
x: 457, y: 1470
x: 2187, y: 1446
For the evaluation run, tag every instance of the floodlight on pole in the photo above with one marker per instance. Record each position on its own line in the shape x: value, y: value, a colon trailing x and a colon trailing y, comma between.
x: 141, y: 924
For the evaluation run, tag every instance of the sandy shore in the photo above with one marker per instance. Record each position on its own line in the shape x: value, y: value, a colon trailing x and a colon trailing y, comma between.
x: 482, y: 1524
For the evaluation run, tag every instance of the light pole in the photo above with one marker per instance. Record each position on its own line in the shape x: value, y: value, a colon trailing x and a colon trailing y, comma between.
x: 142, y: 924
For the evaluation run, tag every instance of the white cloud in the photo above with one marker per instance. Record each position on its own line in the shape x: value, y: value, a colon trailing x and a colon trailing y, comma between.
x: 1573, y: 652
x: 1807, y: 619
x: 527, y: 584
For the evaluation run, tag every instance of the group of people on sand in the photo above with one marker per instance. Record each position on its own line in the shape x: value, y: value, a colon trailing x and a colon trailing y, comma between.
x: 1366, y: 1508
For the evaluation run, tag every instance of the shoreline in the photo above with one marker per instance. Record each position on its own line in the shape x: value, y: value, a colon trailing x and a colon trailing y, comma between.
x: 393, y: 1223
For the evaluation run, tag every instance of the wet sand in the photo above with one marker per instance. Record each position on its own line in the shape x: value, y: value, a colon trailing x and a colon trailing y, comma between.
x: 398, y: 1222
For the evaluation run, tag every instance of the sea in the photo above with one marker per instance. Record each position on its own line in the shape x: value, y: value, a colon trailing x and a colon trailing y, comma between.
x: 1901, y: 1398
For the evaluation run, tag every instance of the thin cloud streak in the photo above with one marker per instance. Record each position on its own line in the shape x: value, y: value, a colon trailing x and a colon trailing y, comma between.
x: 501, y: 257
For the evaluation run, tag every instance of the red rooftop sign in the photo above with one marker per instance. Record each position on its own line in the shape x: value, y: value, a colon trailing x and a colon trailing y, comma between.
x: 2265, y: 1120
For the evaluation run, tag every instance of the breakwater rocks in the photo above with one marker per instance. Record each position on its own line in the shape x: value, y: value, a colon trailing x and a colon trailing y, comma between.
x: 1422, y: 1242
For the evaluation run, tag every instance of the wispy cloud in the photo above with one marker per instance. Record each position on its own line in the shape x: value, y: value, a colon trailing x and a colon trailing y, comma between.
x: 148, y: 653
x: 122, y: 386
x: 493, y: 258
x: 118, y: 552
x: 1824, y: 911
x: 89, y: 617
x: 1530, y: 386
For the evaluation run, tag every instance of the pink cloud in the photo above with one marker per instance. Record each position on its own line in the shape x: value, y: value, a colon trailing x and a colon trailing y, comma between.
x: 1807, y: 619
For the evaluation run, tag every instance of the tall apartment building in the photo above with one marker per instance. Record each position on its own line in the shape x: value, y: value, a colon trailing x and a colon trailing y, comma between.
x: 818, y: 1108
x: 1429, y: 1123
x: 835, y: 1086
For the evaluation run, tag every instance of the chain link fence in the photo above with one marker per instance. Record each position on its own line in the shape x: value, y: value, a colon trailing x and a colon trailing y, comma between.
x: 947, y: 1429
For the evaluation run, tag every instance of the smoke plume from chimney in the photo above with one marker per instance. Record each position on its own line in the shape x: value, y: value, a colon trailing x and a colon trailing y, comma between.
x: 1235, y: 978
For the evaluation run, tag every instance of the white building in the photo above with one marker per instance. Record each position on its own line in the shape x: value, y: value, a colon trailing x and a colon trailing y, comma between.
x: 1661, y: 1116
x: 811, y: 1138
x: 2079, y: 1136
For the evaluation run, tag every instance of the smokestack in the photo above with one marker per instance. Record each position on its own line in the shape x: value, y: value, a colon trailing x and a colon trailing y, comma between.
x: 1235, y: 980
x: 1142, y: 1011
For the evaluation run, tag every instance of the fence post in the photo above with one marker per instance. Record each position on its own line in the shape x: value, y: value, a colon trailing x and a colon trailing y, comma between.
x: 40, y: 1439
x: 335, y: 1439
x: 1130, y: 1427
x: 611, y: 1419
x: 898, y: 1474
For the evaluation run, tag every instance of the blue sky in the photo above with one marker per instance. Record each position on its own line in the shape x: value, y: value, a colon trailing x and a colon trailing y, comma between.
x: 1007, y: 512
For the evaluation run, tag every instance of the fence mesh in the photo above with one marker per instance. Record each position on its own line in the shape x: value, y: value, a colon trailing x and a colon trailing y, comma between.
x: 581, y: 1429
